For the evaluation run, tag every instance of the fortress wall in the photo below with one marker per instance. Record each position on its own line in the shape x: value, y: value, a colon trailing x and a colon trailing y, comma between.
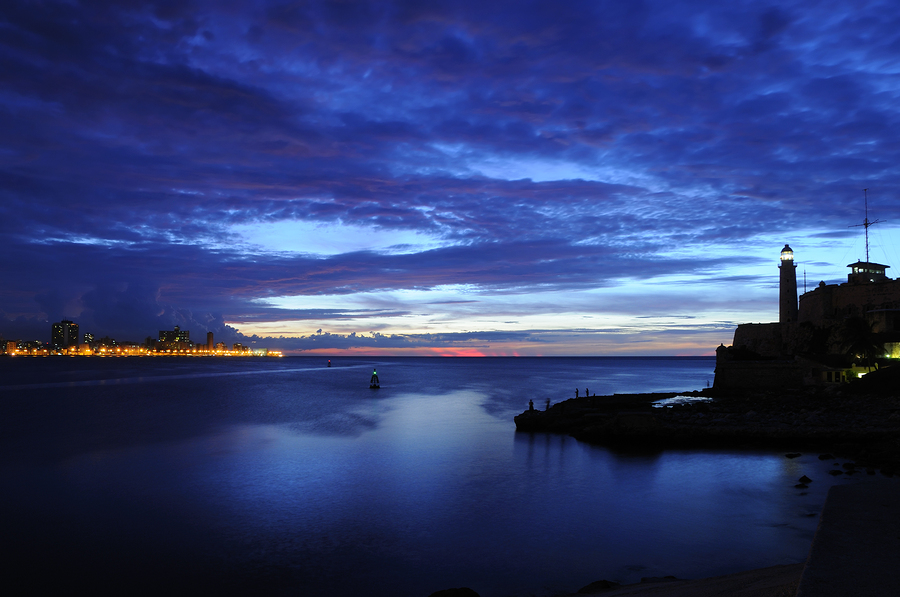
x: 762, y: 338
x: 848, y: 300
x: 758, y: 375
x: 816, y: 305
x: 775, y: 340
x: 876, y: 295
x: 886, y: 322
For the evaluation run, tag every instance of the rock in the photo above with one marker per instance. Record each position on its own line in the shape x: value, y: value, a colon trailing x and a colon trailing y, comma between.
x: 801, y: 486
x: 805, y: 479
x: 635, y: 421
x: 857, y: 426
x: 598, y: 586
x: 460, y: 592
x: 659, y: 579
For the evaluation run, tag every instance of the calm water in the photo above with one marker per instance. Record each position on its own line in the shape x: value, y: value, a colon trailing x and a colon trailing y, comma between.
x: 283, y: 476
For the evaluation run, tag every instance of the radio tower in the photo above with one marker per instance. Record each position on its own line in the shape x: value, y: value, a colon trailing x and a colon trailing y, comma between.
x: 866, y: 223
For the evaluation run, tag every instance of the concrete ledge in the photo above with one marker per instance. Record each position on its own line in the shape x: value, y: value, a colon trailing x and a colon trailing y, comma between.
x: 856, y: 550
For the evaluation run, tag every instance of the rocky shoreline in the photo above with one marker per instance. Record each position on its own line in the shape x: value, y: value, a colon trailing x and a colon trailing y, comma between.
x: 860, y: 422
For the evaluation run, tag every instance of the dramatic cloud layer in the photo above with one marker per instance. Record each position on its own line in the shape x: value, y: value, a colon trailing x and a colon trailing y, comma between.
x: 438, y: 178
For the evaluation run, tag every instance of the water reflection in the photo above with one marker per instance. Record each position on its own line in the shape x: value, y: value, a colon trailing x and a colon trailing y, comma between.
x: 392, y: 500
x: 305, y: 481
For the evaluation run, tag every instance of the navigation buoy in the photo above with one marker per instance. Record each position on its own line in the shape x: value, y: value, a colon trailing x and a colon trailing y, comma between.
x: 373, y: 383
x: 329, y: 362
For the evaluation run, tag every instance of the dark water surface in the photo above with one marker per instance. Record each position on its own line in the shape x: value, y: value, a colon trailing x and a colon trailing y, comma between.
x: 283, y: 476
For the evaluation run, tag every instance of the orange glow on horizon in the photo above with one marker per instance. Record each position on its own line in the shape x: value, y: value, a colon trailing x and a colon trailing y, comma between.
x: 457, y: 352
x: 652, y: 347
x: 473, y: 352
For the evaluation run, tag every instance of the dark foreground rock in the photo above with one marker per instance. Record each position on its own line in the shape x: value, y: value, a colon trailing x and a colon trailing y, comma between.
x: 777, y: 581
x: 865, y: 427
x: 599, y: 586
x: 460, y: 592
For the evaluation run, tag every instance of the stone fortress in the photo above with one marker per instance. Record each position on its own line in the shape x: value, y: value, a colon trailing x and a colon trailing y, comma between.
x: 835, y: 332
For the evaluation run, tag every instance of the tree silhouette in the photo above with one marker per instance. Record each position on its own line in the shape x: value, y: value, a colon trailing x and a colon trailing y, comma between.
x: 859, y: 341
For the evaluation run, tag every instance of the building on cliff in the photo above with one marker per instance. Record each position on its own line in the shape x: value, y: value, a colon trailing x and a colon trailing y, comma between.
x: 834, y: 332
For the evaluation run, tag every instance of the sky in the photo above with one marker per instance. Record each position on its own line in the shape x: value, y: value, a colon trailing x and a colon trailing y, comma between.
x: 439, y: 178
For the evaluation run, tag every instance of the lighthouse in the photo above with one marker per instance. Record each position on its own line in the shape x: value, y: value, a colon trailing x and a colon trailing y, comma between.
x: 787, y: 300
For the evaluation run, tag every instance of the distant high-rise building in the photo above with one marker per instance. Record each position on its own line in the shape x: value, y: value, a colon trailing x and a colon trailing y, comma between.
x: 176, y: 335
x: 64, y: 334
x: 209, y: 342
x: 177, y: 340
x: 88, y: 338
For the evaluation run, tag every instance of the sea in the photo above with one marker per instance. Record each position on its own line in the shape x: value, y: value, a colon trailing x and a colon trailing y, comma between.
x: 286, y: 476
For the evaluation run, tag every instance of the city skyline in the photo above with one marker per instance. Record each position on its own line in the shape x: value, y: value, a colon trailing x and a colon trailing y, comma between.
x: 596, y: 178
x: 67, y: 340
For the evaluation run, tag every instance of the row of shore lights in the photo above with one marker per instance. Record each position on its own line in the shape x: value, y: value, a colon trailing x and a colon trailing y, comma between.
x: 119, y: 351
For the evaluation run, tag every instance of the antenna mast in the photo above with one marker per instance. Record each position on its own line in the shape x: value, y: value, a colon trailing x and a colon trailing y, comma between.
x: 866, y: 223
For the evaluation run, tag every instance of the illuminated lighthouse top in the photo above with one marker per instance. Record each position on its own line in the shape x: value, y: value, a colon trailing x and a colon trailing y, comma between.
x: 787, y: 294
